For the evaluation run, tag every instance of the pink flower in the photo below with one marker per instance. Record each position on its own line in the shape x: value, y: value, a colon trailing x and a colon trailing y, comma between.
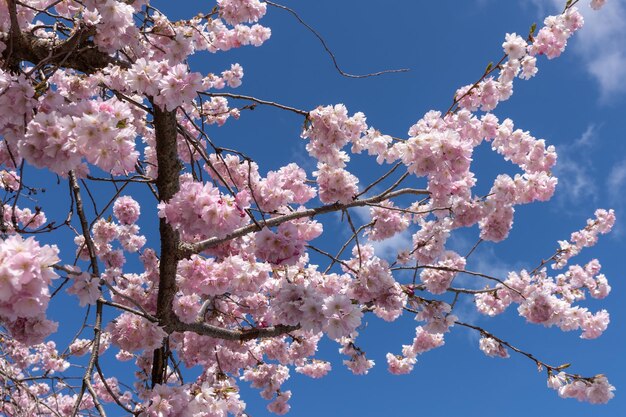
x: 335, y: 184
x: 514, y: 46
x: 86, y: 288
x: 279, y: 405
x: 202, y: 210
x: 131, y: 332
x: 399, y: 365
x: 359, y: 364
x: 600, y: 391
x: 529, y: 67
x: 314, y: 369
x: 126, y: 209
x: 597, y: 4
x: 492, y: 347
x: 238, y: 11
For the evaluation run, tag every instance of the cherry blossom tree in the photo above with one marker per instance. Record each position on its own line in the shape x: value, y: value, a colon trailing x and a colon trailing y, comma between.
x: 241, y: 285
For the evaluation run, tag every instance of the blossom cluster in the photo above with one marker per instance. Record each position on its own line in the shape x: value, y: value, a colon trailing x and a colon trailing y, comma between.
x: 25, y: 274
x: 374, y: 284
x: 102, y: 132
x: 602, y: 224
x: 424, y: 341
x: 131, y: 332
x: 550, y: 41
x: 491, y: 347
x: 550, y: 301
x: 596, y: 391
x: 329, y: 130
x: 201, y: 210
x: 21, y: 217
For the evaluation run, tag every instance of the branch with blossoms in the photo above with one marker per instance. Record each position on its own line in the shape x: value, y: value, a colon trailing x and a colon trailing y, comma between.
x: 203, y: 245
x: 594, y: 389
x: 103, y: 94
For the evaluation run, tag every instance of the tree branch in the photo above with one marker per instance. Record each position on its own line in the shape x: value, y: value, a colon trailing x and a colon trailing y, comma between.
x: 187, y: 249
x: 227, y: 334
x: 77, y: 52
x: 327, y: 49
x: 167, y: 184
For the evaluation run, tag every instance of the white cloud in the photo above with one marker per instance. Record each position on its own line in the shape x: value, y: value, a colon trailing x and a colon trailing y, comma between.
x: 575, y: 172
x: 600, y: 43
x: 615, y: 183
x: 388, y: 248
x: 485, y: 261
x: 616, y: 179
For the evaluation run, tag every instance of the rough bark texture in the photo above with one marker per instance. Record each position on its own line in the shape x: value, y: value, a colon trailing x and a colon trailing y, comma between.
x: 77, y: 51
x: 167, y: 185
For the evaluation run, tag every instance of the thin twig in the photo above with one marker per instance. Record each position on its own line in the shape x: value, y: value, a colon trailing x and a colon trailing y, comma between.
x: 330, y: 53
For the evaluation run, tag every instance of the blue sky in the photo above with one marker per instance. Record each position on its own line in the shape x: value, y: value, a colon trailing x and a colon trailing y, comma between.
x: 576, y: 102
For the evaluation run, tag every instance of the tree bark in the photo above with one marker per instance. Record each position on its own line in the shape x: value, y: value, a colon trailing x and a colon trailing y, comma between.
x: 167, y: 183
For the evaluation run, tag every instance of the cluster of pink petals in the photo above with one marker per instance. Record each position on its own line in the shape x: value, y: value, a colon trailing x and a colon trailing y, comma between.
x: 336, y: 185
x: 424, y: 341
x: 43, y: 356
x: 438, y: 278
x: 596, y: 391
x: 25, y: 275
x: 551, y: 301
x: 330, y: 130
x: 177, y: 86
x: 550, y: 41
x: 602, y: 224
x: 315, y: 368
x: 240, y: 11
x: 388, y: 221
x: 267, y: 376
x: 430, y: 239
x: 24, y: 218
x: 282, y: 187
x: 103, y: 389
x: 17, y: 98
x: 374, y: 284
x: 436, y: 315
x: 9, y: 180
x: 287, y: 244
x: 102, y: 132
x: 278, y: 189
x: 222, y: 38
x: 86, y: 288
x: 374, y: 142
x: 216, y: 111
x: 131, y: 332
x: 536, y: 184
x: 201, y: 210
x: 80, y: 347
x: 104, y: 234
x: 358, y: 363
x: 491, y: 347
x: 317, y: 302
x: 126, y: 210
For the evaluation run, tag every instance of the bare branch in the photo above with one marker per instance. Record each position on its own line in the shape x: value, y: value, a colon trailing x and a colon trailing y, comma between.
x: 330, y: 53
x: 257, y: 100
